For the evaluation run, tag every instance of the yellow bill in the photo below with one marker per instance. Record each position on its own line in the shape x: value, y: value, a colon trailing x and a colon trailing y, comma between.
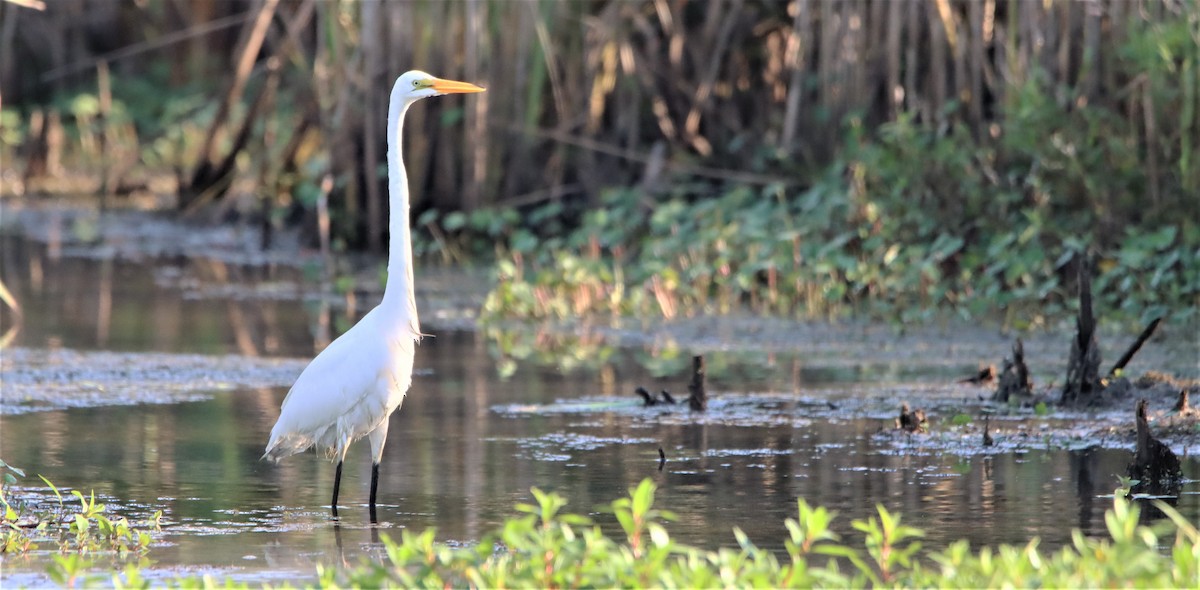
x: 454, y: 87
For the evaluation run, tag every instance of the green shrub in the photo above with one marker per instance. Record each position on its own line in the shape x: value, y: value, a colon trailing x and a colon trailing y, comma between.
x: 916, y: 218
x: 549, y: 548
x: 25, y: 526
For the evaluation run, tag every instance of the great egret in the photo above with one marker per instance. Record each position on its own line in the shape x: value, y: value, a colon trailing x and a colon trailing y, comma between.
x: 352, y: 387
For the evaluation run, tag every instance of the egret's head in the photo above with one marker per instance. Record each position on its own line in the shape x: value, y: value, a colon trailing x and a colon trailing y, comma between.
x: 415, y: 84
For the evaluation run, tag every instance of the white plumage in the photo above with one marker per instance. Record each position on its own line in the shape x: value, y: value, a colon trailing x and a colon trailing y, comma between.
x: 352, y: 387
x: 362, y: 378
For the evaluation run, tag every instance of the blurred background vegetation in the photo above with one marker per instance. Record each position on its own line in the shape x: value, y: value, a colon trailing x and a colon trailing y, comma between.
x: 667, y: 157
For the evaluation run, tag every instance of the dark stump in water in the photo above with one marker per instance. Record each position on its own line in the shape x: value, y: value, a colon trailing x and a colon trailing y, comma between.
x: 698, y: 401
x: 1155, y: 467
x: 1182, y: 406
x: 1014, y: 376
x: 1083, y: 367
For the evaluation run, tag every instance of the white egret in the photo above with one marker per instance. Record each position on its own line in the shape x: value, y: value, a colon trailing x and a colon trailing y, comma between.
x: 352, y: 387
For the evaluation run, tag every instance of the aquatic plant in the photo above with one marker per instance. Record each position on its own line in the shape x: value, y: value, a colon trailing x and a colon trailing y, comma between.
x: 28, y: 523
x: 548, y: 547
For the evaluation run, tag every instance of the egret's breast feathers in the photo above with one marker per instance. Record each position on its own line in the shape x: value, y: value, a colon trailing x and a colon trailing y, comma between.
x: 345, y: 392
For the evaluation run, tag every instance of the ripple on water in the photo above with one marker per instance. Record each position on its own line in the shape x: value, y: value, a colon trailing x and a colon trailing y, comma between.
x: 558, y: 446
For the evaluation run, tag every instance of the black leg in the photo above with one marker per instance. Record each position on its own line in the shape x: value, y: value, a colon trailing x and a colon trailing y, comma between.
x: 374, y: 486
x: 337, y: 482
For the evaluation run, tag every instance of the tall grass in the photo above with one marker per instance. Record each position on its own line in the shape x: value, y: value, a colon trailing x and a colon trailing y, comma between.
x: 587, y: 96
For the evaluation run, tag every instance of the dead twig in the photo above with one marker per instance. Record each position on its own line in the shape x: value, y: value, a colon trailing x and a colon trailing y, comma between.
x: 1133, y: 348
x: 140, y: 48
x: 627, y: 154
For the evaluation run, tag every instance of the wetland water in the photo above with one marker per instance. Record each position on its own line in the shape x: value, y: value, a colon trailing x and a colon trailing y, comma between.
x: 156, y: 383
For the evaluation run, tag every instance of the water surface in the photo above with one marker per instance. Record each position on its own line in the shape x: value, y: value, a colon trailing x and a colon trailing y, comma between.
x: 224, y: 340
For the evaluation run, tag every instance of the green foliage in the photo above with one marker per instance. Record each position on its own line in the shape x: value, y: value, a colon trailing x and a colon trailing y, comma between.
x: 86, y: 530
x: 1131, y: 556
x: 544, y: 546
x: 10, y: 474
x: 549, y: 548
x: 157, y: 123
x: 825, y: 253
x: 915, y: 219
x: 12, y: 133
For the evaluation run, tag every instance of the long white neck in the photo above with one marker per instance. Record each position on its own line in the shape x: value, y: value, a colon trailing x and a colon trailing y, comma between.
x: 398, y: 294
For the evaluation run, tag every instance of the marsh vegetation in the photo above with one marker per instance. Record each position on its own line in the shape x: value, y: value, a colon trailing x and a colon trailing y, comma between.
x: 843, y: 205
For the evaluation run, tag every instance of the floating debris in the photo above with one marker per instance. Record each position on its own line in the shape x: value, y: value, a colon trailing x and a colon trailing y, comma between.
x: 40, y: 380
x: 983, y: 376
x: 648, y: 398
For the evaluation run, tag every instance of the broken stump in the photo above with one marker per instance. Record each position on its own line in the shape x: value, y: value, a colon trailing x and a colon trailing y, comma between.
x: 1155, y: 467
x: 698, y: 400
x: 1014, y: 376
x: 1083, y: 368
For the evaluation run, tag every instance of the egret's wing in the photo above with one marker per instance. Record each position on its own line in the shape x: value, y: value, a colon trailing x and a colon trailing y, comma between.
x: 344, y: 392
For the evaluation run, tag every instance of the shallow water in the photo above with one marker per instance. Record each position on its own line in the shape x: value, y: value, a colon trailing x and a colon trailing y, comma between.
x: 183, y: 364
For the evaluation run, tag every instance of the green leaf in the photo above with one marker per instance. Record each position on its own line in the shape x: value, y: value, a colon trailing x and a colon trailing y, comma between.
x: 454, y: 221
